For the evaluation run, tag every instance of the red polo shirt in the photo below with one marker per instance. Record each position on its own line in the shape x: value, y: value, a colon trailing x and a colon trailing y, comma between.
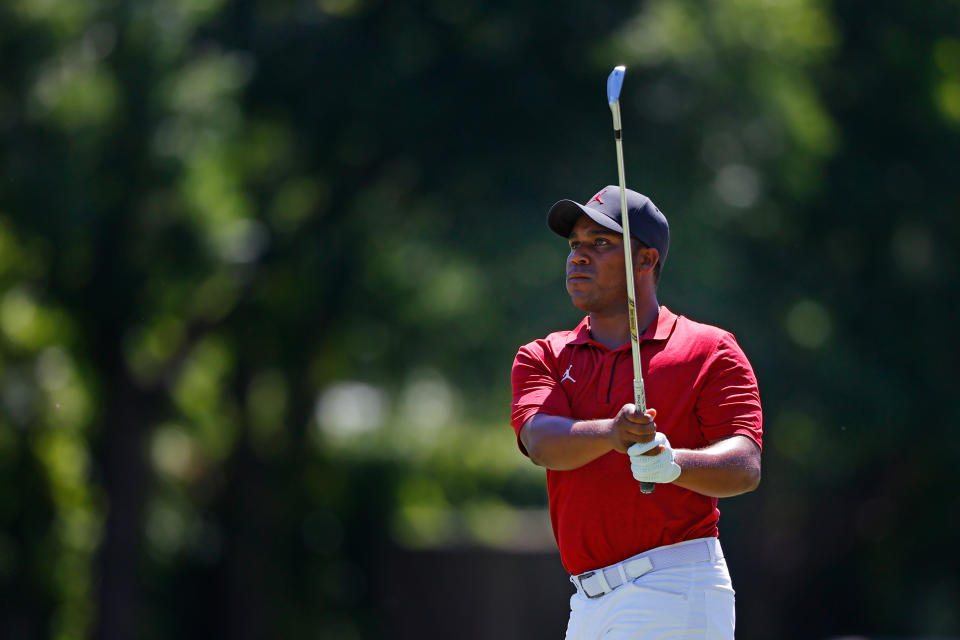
x: 703, y: 388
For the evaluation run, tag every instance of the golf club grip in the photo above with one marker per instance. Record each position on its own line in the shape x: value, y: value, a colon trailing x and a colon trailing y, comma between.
x: 641, y: 402
x: 640, y: 399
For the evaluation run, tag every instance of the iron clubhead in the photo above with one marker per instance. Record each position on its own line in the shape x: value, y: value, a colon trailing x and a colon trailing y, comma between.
x: 615, y: 83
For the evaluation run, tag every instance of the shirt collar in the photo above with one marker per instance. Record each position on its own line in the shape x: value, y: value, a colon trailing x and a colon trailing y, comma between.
x: 659, y: 329
x: 581, y: 335
x: 662, y: 327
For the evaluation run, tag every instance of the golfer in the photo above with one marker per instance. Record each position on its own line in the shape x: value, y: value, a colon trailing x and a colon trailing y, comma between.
x: 644, y: 565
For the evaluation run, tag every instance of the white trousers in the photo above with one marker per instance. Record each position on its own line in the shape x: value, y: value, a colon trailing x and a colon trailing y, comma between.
x: 694, y: 601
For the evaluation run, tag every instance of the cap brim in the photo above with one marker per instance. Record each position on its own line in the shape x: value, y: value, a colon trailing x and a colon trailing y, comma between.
x: 565, y: 213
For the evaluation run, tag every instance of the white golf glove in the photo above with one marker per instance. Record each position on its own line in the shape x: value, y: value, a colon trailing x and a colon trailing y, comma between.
x: 661, y: 468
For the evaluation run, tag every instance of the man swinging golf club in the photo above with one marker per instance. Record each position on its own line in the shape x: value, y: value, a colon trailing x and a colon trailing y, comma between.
x: 645, y: 564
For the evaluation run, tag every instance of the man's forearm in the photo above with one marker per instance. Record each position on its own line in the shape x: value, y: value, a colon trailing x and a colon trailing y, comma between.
x: 723, y: 469
x: 562, y: 444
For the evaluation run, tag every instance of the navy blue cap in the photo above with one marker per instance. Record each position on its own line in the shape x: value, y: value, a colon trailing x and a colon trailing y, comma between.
x: 647, y: 223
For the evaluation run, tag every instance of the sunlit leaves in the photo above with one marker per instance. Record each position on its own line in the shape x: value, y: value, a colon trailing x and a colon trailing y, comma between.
x: 665, y: 30
x: 203, y: 91
x: 63, y: 18
x: 68, y: 401
x: 164, y: 27
x: 200, y: 393
x: 73, y: 97
x: 748, y: 58
x: 202, y: 130
x: 78, y: 527
x: 215, y: 196
x: 28, y: 323
x: 948, y: 99
x: 810, y: 126
x: 175, y: 453
x: 694, y: 32
x: 946, y: 55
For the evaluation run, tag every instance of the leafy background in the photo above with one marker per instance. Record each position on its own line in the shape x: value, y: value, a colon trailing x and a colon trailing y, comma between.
x: 264, y: 266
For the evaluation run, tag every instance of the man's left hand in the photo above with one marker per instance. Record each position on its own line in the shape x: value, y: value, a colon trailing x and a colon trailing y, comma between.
x: 661, y: 468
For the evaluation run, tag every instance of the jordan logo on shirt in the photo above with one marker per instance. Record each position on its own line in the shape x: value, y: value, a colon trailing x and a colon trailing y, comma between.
x: 567, y: 376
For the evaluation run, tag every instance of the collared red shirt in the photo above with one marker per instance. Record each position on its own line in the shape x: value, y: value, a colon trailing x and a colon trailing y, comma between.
x: 703, y: 388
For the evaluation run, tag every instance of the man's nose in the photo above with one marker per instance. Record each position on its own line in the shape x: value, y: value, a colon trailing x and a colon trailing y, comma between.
x: 577, y: 257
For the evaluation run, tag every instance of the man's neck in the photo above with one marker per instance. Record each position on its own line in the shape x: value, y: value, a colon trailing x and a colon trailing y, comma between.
x: 613, y: 330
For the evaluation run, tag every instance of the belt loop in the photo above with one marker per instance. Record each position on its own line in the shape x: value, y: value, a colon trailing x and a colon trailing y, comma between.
x: 712, y: 548
x: 623, y: 573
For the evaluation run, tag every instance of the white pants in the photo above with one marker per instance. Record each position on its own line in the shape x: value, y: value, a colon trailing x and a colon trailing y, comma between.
x: 694, y: 601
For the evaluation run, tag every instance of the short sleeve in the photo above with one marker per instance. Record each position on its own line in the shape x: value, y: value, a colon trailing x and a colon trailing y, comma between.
x: 536, y: 388
x: 729, y: 403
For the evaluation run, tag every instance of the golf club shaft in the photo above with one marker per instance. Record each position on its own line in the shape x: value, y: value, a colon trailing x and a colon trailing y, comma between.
x: 639, y: 396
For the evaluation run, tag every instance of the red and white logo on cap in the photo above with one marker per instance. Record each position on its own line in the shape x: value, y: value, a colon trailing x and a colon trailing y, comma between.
x: 597, y: 197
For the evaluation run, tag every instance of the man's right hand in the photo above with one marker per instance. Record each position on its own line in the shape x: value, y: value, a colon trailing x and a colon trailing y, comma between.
x: 631, y: 426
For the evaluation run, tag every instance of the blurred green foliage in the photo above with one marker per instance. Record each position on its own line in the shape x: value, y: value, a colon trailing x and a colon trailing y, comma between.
x: 264, y: 267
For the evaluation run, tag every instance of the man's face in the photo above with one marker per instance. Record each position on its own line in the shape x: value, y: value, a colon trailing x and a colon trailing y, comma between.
x: 596, y: 280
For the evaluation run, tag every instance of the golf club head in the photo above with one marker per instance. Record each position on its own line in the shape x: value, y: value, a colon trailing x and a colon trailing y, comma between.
x: 615, y: 83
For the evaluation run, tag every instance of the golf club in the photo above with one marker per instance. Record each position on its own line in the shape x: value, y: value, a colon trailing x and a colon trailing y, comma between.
x: 614, y: 84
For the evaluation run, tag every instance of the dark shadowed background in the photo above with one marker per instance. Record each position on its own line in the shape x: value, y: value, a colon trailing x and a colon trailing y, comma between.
x: 265, y: 264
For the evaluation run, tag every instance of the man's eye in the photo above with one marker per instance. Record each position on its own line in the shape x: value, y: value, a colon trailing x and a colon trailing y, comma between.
x: 599, y: 242
x: 574, y: 245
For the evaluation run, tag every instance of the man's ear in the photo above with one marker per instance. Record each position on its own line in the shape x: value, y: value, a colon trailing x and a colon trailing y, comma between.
x: 645, y: 259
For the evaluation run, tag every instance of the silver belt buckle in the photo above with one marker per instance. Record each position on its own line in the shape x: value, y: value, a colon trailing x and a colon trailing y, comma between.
x: 584, y: 576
